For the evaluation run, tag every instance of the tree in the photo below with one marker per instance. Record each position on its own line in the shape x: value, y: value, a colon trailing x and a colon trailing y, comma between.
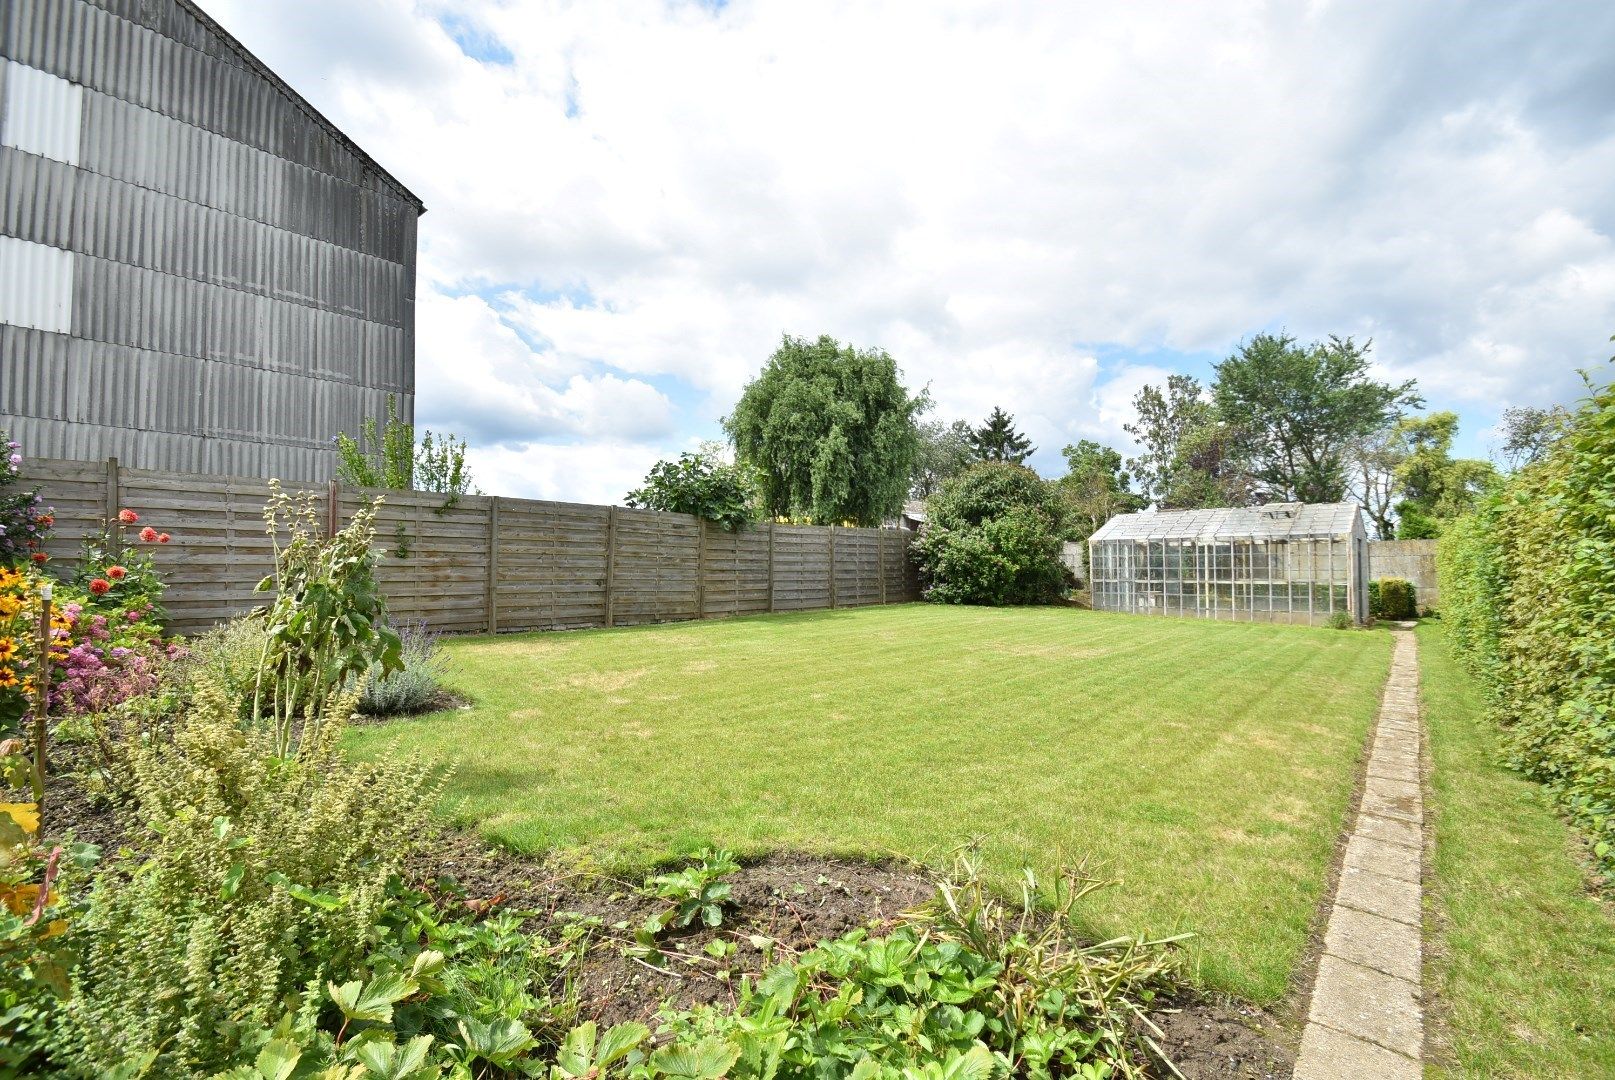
x: 829, y: 432
x: 945, y: 451
x: 1373, y: 462
x: 1529, y: 432
x: 701, y: 484
x: 997, y: 440
x: 1189, y: 458
x: 385, y: 455
x: 1296, y: 412
x: 1436, y: 487
x: 993, y: 536
x: 1095, y: 488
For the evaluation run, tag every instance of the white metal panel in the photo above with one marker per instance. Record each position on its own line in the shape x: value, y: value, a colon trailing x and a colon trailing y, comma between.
x: 36, y: 285
x: 43, y: 114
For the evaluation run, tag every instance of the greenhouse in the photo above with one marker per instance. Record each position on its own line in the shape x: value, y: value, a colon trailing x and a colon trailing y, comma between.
x: 1284, y: 562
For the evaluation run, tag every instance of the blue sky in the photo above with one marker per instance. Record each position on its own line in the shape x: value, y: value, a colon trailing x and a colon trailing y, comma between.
x: 1039, y: 206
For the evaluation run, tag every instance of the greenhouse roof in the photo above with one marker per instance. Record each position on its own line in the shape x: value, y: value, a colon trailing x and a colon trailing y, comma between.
x: 1275, y: 521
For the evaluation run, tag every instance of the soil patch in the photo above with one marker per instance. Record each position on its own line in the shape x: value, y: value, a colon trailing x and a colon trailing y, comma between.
x: 1208, y: 1040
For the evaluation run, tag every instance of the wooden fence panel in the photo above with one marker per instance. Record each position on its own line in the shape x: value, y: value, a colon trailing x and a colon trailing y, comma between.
x: 432, y: 559
x: 734, y: 571
x: 655, y: 568
x: 484, y: 564
x: 220, y: 548
x: 801, y: 567
x: 552, y: 565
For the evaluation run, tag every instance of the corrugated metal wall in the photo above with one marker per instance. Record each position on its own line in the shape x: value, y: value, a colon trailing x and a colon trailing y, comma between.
x: 197, y: 272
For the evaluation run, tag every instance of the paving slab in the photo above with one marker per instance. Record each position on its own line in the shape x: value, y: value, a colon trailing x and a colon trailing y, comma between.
x: 1369, y: 1004
x: 1392, y: 860
x: 1327, y: 1054
x: 1390, y: 831
x: 1391, y: 897
x: 1403, y: 809
x: 1374, y: 942
x: 1392, y: 789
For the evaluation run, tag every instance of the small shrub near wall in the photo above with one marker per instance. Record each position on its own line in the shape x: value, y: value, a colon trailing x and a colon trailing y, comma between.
x: 1528, y: 593
x: 1392, y: 598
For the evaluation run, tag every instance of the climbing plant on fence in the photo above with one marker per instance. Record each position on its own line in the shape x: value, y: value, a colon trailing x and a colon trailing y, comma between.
x: 1528, y: 589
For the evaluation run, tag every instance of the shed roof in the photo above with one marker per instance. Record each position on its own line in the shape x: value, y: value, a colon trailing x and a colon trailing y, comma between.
x: 1275, y: 521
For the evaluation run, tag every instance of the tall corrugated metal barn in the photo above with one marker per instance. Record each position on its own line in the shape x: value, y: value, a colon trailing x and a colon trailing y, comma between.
x: 198, y: 271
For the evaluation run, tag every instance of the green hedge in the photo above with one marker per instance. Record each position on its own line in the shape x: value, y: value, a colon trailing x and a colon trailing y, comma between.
x: 1392, y: 598
x: 1528, y: 590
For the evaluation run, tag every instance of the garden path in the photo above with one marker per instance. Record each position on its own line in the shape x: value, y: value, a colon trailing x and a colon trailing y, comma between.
x: 1366, y: 1016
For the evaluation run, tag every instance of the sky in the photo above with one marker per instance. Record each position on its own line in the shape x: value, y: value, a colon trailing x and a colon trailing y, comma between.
x: 1042, y: 206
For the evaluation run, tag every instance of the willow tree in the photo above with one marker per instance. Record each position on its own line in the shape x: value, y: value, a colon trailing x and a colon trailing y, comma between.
x: 830, y: 432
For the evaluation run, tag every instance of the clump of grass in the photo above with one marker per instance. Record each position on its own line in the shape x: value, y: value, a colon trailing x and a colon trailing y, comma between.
x: 413, y: 688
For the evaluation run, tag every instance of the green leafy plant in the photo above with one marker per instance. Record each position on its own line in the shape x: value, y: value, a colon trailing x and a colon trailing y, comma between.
x: 699, y: 484
x: 1528, y: 592
x: 327, y: 624
x: 1340, y: 620
x: 255, y: 875
x: 971, y: 986
x: 695, y: 892
x: 384, y: 454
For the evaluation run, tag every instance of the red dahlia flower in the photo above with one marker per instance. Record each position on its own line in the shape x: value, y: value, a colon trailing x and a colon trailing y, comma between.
x: 163, y: 538
x: 148, y: 534
x: 39, y: 556
x: 128, y: 517
x: 99, y: 585
x: 116, y: 573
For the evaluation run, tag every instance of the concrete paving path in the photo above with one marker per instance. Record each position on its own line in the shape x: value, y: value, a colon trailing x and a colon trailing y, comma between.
x: 1367, y: 1016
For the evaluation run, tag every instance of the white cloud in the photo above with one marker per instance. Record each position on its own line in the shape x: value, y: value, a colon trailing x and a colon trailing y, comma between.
x: 993, y: 192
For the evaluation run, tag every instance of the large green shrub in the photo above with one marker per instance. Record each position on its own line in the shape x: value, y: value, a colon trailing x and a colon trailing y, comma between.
x: 1528, y: 587
x: 993, y: 536
x: 1392, y: 598
x: 256, y: 876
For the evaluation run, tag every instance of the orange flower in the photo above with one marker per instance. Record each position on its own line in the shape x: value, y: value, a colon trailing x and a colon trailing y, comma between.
x: 99, y: 585
x: 128, y: 517
x: 116, y: 573
x: 39, y: 556
x: 163, y: 538
x: 148, y: 534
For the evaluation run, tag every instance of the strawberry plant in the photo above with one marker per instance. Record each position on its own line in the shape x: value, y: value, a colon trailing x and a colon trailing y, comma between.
x: 695, y: 892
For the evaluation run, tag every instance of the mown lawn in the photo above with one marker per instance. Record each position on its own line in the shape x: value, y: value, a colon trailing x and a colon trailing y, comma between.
x: 1523, y: 956
x: 1207, y: 765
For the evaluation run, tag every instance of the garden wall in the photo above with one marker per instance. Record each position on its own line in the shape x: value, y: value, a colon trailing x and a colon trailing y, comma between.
x: 486, y: 564
x: 1411, y: 560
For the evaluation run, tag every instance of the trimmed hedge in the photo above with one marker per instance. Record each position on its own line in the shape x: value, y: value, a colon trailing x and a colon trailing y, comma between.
x: 1528, y: 590
x: 1392, y: 598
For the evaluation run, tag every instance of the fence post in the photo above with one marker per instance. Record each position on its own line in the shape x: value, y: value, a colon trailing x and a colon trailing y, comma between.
x: 771, y: 568
x: 832, y: 564
x: 611, y: 557
x: 333, y: 508
x: 493, y: 566
x: 880, y: 561
x: 701, y: 568
x: 114, y: 534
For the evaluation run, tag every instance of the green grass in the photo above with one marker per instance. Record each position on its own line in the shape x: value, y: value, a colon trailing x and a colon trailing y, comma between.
x: 1525, y: 957
x: 1208, y: 765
